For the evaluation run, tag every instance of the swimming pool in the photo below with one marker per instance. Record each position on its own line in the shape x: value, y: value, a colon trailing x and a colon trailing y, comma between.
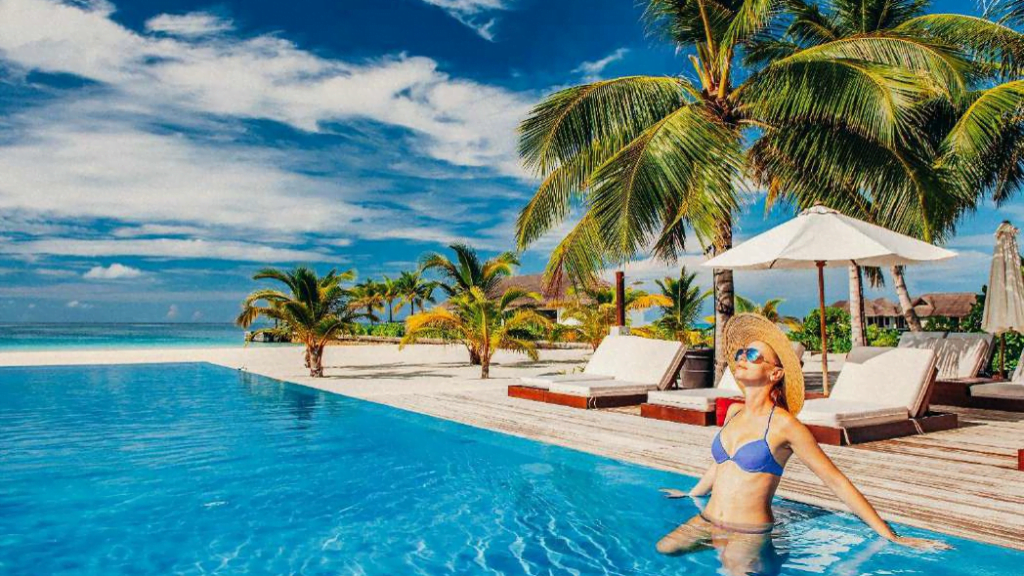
x: 197, y: 469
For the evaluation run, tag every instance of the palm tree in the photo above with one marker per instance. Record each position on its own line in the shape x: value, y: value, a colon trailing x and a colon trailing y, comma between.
x: 367, y: 295
x: 644, y: 159
x: 390, y: 291
x: 313, y: 308
x: 466, y: 272
x: 414, y: 290
x: 684, y: 300
x: 770, y: 310
x: 948, y: 149
x: 593, y: 311
x: 483, y: 324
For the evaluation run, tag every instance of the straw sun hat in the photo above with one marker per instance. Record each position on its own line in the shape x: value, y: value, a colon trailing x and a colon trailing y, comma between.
x: 746, y: 328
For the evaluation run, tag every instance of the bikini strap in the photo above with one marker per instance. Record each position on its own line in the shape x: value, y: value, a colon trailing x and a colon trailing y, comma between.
x: 726, y: 423
x: 766, y: 428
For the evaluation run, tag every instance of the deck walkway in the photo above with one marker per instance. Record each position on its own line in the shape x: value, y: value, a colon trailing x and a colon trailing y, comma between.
x: 962, y: 482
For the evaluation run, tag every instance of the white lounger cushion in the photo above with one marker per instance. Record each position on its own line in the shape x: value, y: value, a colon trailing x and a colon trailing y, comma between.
x: 847, y: 414
x: 602, y: 388
x: 547, y: 380
x: 886, y: 377
x: 699, y: 399
x: 963, y: 355
x: 921, y: 340
x: 629, y: 359
x: 1002, y: 390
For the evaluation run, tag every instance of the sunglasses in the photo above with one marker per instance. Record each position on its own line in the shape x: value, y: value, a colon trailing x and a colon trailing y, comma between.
x: 752, y: 355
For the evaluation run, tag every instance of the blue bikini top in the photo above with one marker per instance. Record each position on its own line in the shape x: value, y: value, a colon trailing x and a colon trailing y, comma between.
x: 754, y: 456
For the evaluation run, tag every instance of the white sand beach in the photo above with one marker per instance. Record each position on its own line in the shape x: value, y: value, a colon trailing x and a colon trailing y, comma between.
x: 973, y: 492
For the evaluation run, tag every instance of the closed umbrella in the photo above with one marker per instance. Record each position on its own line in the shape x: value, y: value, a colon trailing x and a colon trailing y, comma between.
x: 821, y: 237
x: 1004, y: 303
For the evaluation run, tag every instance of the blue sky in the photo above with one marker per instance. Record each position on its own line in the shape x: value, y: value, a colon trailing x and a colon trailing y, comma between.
x: 153, y: 154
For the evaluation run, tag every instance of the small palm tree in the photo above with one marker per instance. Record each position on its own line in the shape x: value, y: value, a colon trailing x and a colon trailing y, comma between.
x: 415, y: 290
x: 467, y: 271
x: 314, y: 309
x: 483, y: 324
x: 592, y: 310
x: 770, y: 310
x: 684, y: 303
x: 390, y: 291
x: 367, y: 295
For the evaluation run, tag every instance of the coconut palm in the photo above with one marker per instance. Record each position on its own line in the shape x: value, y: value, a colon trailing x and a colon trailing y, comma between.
x: 467, y: 271
x: 415, y: 290
x: 313, y: 308
x: 483, y: 324
x: 641, y: 160
x: 769, y: 309
x: 367, y: 295
x: 950, y: 149
x: 684, y: 301
x: 591, y: 311
x: 391, y: 291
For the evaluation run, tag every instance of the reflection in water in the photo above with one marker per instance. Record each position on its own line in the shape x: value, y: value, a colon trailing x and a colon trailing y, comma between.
x: 300, y: 402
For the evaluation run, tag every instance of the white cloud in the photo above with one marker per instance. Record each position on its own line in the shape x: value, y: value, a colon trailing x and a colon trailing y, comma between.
x: 172, y: 312
x: 78, y: 305
x: 166, y: 248
x: 472, y: 13
x: 32, y: 306
x: 188, y: 25
x: 197, y: 315
x: 113, y: 272
x: 55, y: 272
x: 591, y: 71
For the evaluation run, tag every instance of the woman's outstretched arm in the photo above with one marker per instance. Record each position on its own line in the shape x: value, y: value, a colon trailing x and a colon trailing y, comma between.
x: 806, y: 447
x: 707, y: 481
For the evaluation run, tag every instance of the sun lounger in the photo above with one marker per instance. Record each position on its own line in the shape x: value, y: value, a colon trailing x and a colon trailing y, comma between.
x: 881, y: 393
x: 695, y: 406
x: 1007, y: 396
x: 961, y: 358
x: 620, y: 373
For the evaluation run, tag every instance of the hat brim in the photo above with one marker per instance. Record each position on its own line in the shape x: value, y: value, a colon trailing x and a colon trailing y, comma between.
x: 743, y: 329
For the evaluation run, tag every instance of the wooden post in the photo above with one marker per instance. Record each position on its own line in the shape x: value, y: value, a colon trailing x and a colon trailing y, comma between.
x: 620, y: 298
x: 824, y: 333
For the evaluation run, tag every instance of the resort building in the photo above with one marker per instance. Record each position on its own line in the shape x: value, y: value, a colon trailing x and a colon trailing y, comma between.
x: 551, y: 305
x: 885, y: 313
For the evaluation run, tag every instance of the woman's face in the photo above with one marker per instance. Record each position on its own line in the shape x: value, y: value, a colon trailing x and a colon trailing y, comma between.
x: 767, y: 370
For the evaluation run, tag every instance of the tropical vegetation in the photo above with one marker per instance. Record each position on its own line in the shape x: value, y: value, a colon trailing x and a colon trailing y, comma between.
x: 769, y: 309
x: 872, y: 107
x: 589, y: 312
x: 312, y: 310
x: 681, y: 309
x: 483, y: 324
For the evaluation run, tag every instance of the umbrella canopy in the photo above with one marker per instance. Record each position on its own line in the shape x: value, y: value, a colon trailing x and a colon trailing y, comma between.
x: 1004, y: 303
x: 820, y: 234
x: 821, y: 237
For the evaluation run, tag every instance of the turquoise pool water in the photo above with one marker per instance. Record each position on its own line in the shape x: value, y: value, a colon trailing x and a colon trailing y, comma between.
x: 197, y: 469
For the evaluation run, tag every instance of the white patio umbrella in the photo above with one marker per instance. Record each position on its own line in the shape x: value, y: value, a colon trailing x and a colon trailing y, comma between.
x: 1004, y: 303
x: 821, y: 237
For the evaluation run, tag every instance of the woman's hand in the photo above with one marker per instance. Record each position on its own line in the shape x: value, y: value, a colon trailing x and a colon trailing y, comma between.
x: 921, y: 543
x: 673, y: 493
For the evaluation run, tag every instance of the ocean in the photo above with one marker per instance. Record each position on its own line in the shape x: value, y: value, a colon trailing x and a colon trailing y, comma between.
x: 61, y: 336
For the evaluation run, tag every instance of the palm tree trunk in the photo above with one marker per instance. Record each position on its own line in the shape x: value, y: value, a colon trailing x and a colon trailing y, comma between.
x: 485, y: 368
x: 474, y: 356
x: 725, y: 300
x: 857, y: 334
x: 308, y: 363
x: 316, y: 365
x: 391, y: 317
x: 905, y: 303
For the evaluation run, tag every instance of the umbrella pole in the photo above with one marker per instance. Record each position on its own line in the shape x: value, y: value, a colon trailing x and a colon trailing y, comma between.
x: 1002, y: 355
x: 824, y: 334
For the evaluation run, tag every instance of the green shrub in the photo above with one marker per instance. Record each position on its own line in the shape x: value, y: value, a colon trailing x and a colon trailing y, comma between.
x: 882, y: 336
x: 837, y: 327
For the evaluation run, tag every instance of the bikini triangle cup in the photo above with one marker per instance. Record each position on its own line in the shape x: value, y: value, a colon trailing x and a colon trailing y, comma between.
x: 754, y: 456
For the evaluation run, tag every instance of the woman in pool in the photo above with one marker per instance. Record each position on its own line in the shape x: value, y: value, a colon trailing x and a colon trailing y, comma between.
x: 751, y: 451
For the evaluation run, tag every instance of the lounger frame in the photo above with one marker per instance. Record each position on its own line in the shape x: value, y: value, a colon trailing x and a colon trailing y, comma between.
x: 931, y: 422
x: 958, y: 393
